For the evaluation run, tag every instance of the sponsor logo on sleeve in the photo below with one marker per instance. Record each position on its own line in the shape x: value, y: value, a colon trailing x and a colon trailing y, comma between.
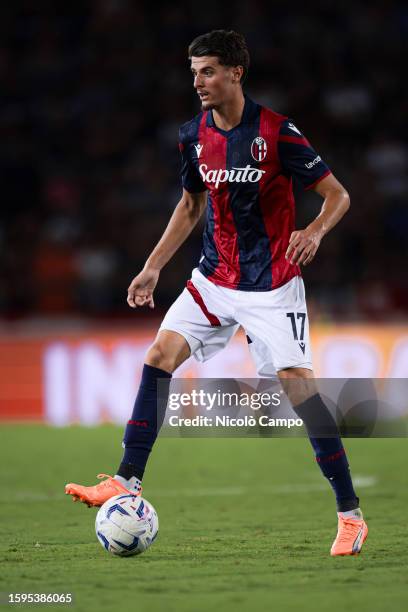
x: 316, y: 160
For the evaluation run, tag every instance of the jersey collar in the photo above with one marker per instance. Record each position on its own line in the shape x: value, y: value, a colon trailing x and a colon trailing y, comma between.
x: 249, y: 114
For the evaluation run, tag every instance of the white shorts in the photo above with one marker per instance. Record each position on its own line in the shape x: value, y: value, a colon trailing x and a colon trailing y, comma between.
x: 275, y: 322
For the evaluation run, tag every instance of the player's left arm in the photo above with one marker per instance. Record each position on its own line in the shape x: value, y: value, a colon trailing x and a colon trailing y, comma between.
x: 303, y: 244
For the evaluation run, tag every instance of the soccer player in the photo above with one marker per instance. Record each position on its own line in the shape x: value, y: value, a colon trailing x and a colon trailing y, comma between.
x: 238, y: 160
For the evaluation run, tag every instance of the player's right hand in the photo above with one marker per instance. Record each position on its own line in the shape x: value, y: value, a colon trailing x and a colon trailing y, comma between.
x: 140, y: 290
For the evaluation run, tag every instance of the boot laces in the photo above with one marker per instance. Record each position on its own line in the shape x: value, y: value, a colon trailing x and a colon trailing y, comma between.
x: 105, y: 482
x: 348, y: 530
x: 108, y: 481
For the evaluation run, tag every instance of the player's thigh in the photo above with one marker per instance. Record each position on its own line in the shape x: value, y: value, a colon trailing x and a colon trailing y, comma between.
x: 199, y: 316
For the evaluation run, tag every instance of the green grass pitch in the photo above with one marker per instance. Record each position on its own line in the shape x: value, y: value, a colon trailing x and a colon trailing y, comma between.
x: 245, y: 524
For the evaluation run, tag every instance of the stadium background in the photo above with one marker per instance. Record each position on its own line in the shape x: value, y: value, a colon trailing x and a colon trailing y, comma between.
x: 92, y: 94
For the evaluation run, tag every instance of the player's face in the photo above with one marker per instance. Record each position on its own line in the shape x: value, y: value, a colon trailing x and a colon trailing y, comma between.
x: 213, y: 82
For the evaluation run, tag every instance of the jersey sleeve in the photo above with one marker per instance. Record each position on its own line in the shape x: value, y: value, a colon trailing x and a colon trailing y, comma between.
x: 298, y: 158
x: 190, y: 177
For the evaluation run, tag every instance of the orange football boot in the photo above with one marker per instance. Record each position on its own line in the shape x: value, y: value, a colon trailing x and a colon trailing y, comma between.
x: 98, y: 494
x: 350, y: 536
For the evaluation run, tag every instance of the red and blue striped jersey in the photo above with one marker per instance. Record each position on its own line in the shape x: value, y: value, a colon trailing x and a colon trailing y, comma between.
x: 248, y: 173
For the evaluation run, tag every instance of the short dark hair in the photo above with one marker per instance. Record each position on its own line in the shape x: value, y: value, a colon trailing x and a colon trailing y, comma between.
x: 229, y: 46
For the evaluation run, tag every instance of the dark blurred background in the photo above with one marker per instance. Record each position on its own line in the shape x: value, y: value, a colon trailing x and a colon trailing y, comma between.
x: 92, y: 95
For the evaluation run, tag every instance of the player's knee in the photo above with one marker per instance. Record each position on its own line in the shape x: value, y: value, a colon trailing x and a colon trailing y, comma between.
x: 298, y: 383
x: 295, y: 373
x: 161, y: 356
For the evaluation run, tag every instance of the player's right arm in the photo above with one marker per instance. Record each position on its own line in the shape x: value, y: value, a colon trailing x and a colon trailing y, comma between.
x: 184, y: 218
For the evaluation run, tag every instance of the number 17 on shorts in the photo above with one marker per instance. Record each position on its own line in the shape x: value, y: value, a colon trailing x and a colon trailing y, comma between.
x: 297, y: 320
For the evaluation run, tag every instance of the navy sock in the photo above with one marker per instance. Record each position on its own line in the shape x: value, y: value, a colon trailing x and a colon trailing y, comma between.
x: 330, y: 454
x: 147, y: 418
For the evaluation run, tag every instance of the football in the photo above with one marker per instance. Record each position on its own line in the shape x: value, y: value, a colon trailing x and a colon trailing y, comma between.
x: 126, y: 525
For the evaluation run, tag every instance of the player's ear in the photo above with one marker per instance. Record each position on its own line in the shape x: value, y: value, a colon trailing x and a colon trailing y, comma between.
x: 237, y: 73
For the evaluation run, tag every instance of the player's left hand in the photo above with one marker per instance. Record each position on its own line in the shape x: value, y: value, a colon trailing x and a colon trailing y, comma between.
x: 303, y: 245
